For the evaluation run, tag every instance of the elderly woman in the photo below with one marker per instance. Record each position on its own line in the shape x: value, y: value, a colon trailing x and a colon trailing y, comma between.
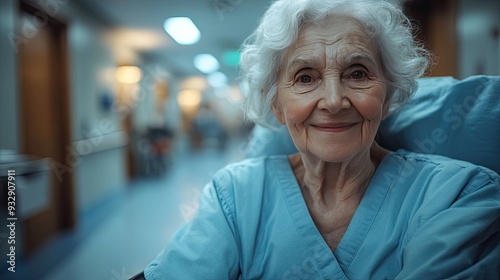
x: 342, y: 207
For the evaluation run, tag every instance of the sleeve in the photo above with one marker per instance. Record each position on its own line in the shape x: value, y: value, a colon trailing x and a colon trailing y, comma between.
x: 460, y: 242
x: 205, y: 248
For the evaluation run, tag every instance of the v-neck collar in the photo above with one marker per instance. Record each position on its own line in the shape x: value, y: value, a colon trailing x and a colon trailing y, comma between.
x: 333, y: 265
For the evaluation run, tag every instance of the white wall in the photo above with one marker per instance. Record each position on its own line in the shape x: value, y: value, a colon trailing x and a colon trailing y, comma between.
x: 9, y: 119
x: 479, y: 50
x: 143, y: 107
x: 92, y: 63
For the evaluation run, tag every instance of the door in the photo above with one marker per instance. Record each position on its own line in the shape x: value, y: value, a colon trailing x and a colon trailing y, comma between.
x: 436, y: 23
x: 45, y: 119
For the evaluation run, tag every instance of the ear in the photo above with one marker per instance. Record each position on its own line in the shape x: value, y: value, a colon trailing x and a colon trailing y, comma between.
x: 278, y: 111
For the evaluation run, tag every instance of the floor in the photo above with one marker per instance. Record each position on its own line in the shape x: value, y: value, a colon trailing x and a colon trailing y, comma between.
x: 120, y: 235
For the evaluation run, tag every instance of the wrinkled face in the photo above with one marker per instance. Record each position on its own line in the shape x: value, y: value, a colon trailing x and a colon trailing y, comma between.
x: 331, y: 90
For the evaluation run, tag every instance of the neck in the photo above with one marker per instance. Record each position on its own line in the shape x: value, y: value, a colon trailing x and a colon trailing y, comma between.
x: 328, y: 184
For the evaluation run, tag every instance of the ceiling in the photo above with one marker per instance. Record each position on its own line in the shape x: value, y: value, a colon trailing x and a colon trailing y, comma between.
x: 224, y: 25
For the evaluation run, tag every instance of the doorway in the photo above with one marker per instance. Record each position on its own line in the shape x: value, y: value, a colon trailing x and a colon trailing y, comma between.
x: 45, y: 129
x: 436, y: 26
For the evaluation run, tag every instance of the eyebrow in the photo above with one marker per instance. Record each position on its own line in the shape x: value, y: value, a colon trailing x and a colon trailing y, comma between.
x: 354, y: 57
x: 299, y: 61
x: 358, y: 57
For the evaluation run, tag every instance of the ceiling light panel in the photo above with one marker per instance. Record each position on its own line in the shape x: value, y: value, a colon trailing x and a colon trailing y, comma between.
x: 206, y: 63
x: 182, y: 30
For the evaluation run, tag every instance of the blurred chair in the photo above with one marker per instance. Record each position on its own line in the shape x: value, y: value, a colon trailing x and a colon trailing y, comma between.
x: 153, y: 149
x: 139, y: 276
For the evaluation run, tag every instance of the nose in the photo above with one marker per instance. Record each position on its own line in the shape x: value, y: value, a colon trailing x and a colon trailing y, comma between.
x: 333, y: 96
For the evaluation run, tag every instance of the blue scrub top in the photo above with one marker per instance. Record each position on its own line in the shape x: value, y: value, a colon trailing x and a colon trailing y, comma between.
x: 422, y: 217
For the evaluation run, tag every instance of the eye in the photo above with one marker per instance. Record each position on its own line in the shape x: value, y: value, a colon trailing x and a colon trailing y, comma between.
x: 305, y: 79
x: 357, y: 75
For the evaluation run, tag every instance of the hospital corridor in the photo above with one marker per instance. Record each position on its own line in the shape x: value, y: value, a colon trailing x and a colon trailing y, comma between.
x: 121, y: 234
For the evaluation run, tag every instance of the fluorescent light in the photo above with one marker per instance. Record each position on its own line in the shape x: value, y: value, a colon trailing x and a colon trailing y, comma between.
x: 182, y: 30
x: 217, y: 79
x: 206, y: 63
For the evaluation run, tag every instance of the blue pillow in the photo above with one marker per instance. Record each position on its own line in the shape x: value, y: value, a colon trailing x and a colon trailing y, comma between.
x: 455, y: 118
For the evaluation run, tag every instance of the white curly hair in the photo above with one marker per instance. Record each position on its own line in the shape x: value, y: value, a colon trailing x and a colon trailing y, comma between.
x: 403, y: 59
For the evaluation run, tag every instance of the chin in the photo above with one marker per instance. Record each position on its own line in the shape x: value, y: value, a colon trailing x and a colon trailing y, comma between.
x: 334, y: 153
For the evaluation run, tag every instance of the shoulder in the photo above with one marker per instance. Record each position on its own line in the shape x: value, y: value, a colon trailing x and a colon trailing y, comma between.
x: 249, y: 177
x: 439, y: 172
x: 437, y: 191
x: 249, y: 170
x: 437, y: 163
x: 241, y: 187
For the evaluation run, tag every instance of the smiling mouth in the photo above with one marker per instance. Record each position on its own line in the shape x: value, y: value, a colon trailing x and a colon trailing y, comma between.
x: 334, y: 127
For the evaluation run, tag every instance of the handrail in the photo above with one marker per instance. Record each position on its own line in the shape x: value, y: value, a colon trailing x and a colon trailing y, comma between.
x: 100, y: 143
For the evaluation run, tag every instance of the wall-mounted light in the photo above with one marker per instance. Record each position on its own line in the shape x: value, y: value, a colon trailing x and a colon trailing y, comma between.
x: 182, y: 30
x: 128, y: 74
x: 206, y: 63
x: 189, y: 100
